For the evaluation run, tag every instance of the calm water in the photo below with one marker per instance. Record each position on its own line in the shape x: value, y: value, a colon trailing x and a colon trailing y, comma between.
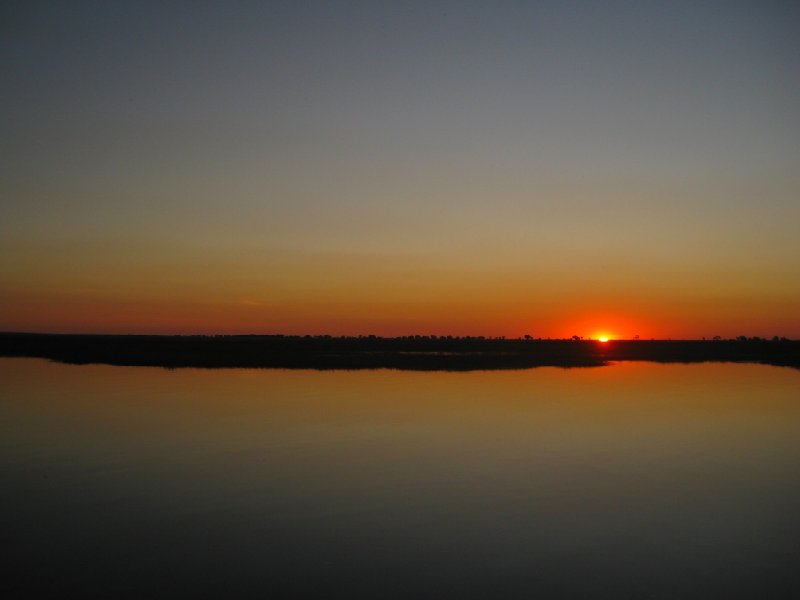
x: 630, y: 481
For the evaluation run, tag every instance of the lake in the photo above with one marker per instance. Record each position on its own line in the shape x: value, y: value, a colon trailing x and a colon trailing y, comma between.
x: 635, y: 480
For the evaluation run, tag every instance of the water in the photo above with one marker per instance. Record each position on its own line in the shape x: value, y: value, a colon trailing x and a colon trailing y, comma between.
x: 635, y: 480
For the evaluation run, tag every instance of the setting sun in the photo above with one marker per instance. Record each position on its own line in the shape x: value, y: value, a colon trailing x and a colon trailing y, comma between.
x: 602, y: 338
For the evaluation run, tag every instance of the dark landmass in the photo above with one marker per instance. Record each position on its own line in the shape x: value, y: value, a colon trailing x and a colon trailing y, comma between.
x: 424, y: 353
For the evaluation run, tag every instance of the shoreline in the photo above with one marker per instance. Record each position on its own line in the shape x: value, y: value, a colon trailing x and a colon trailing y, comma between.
x: 418, y: 353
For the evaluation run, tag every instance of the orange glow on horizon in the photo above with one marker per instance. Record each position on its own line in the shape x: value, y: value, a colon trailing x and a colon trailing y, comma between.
x: 235, y: 309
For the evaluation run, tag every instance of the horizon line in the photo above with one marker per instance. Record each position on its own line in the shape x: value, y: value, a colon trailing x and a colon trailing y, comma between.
x: 524, y: 338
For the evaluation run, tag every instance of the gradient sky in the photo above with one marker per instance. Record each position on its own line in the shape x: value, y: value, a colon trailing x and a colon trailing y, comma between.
x: 494, y: 168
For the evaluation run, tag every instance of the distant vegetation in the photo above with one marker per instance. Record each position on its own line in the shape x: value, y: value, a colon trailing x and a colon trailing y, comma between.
x: 416, y: 352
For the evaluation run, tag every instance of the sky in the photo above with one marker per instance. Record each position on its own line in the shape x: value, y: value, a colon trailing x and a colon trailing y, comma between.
x: 394, y: 168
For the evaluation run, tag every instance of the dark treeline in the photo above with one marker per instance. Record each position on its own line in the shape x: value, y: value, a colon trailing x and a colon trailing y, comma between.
x: 370, y: 352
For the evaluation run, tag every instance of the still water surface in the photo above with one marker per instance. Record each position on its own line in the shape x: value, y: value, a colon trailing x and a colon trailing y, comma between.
x: 635, y: 480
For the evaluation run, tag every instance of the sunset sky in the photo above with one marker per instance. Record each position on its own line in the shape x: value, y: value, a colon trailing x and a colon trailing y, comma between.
x: 392, y: 168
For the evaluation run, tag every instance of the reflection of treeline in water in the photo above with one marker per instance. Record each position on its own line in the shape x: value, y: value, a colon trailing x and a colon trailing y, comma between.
x: 370, y: 352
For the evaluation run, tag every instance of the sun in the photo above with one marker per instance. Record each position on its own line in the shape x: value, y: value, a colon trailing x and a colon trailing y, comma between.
x: 603, y: 336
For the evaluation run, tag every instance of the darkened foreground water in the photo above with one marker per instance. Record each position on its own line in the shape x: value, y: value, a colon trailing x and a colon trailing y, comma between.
x: 635, y: 480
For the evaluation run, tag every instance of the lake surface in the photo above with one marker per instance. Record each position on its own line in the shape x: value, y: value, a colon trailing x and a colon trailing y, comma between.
x: 635, y: 480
